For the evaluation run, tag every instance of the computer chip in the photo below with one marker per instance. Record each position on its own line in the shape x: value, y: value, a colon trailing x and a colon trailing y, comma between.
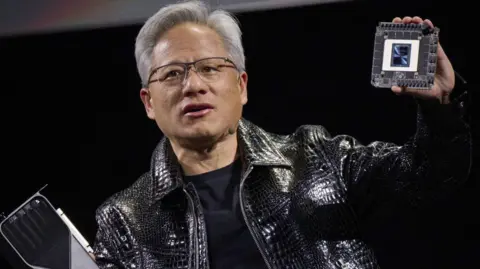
x: 404, y: 55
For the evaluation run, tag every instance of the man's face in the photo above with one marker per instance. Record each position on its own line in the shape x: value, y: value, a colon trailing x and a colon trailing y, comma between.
x: 174, y: 108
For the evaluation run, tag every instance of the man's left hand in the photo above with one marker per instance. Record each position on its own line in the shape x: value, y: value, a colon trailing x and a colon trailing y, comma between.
x: 444, y: 77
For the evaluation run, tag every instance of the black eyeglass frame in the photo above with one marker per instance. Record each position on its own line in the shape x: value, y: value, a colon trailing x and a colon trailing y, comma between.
x: 187, y: 67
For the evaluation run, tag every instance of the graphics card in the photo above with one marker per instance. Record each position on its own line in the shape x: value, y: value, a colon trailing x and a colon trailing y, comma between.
x: 37, y: 236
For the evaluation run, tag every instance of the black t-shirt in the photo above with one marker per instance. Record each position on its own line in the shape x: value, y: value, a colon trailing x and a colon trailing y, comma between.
x: 230, y: 243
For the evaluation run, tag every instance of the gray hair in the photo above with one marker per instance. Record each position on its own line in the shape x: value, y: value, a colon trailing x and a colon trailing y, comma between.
x: 221, y: 21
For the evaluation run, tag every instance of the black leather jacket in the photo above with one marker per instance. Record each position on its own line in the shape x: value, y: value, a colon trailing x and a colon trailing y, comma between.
x: 300, y: 195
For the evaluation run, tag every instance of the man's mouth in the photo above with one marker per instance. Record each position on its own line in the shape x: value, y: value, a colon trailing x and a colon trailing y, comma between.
x: 197, y: 110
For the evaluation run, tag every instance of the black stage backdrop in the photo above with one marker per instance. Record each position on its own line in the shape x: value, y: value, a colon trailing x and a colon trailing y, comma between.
x: 71, y: 114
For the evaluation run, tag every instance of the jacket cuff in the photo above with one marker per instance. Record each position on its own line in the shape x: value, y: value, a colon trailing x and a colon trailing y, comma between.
x: 446, y: 119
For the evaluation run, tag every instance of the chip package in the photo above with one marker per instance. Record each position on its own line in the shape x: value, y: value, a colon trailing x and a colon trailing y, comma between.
x: 404, y: 55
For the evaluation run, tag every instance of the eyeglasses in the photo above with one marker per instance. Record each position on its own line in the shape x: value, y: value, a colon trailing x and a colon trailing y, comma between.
x: 208, y: 69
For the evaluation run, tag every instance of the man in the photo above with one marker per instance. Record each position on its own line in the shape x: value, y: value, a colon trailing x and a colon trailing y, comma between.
x: 224, y: 193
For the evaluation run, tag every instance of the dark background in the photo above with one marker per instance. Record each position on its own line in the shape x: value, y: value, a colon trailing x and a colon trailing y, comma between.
x: 72, y: 118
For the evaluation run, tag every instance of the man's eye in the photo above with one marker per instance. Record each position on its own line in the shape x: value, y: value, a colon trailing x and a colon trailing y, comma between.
x: 209, y: 69
x: 172, y: 74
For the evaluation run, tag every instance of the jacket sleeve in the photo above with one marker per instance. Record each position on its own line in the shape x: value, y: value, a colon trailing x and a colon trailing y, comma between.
x: 433, y: 162
x: 107, y: 245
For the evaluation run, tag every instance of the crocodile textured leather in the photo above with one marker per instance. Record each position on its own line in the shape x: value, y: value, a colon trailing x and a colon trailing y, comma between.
x: 301, y: 195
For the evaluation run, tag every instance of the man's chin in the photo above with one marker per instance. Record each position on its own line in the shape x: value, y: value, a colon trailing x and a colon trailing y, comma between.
x: 197, y: 131
x: 204, y: 137
x: 200, y: 128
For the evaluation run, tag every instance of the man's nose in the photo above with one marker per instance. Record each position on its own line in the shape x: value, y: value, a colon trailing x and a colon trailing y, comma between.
x: 194, y: 84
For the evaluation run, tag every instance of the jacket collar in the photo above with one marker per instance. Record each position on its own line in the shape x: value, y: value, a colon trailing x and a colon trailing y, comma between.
x: 257, y: 147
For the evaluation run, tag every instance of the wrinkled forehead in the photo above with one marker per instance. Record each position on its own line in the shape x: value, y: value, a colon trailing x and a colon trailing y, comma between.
x: 186, y: 43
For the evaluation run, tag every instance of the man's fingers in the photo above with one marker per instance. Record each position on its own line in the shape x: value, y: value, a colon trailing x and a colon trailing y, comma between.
x: 408, y: 90
x: 417, y: 20
x: 407, y: 19
x: 429, y: 22
x: 420, y: 93
x: 397, y: 90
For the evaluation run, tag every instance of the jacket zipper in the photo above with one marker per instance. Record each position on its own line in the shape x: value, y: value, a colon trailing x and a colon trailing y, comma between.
x: 195, y: 224
x: 249, y: 169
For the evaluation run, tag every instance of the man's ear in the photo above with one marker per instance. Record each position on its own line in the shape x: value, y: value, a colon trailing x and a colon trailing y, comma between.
x: 243, y: 81
x: 147, y: 102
